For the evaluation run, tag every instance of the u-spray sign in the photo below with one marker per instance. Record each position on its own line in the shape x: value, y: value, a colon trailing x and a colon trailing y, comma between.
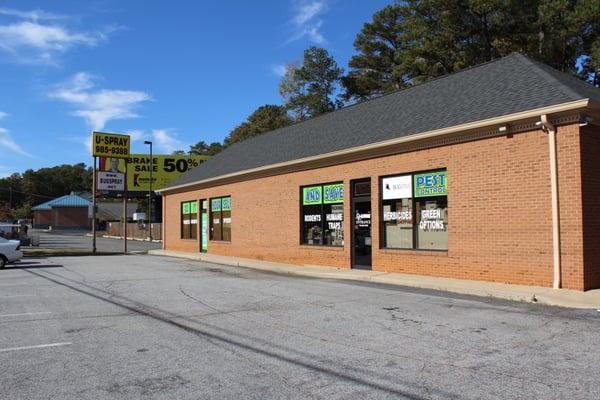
x: 110, y: 145
x: 431, y: 184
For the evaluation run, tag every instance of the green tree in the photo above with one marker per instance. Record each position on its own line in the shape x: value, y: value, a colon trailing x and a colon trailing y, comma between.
x: 266, y: 118
x: 308, y: 89
x: 19, y: 191
x: 203, y: 149
x: 376, y: 69
x: 416, y: 40
x: 293, y: 93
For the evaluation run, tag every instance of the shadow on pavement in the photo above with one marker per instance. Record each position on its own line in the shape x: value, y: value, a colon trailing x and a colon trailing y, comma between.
x: 31, y: 265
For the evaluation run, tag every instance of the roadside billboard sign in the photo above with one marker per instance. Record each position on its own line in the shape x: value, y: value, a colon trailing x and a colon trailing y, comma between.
x: 110, y: 145
x: 165, y: 168
x: 111, y: 181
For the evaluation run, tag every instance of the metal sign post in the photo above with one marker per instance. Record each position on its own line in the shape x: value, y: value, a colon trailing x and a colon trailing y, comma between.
x: 94, y: 207
x: 125, y: 212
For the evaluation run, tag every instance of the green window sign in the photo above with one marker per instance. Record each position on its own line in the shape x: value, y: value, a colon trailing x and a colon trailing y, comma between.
x: 193, y: 207
x: 215, y: 204
x: 226, y: 203
x: 185, y: 208
x: 431, y: 184
x: 312, y: 195
x: 333, y: 193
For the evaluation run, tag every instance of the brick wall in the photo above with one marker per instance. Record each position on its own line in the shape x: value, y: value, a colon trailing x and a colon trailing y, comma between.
x: 42, y: 218
x: 499, y: 212
x: 70, y: 217
x: 590, y: 161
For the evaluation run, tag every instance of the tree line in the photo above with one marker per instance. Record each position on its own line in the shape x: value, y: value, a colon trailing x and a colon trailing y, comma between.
x: 413, y: 41
x: 19, y: 192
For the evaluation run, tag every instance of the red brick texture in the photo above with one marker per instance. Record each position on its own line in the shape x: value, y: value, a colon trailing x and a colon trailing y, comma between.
x: 499, y: 226
x: 42, y: 218
x: 590, y: 162
x: 70, y: 217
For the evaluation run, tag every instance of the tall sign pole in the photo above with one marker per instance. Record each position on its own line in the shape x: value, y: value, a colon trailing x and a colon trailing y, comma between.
x: 125, y: 211
x: 94, y: 184
x: 148, y: 142
x: 114, y: 147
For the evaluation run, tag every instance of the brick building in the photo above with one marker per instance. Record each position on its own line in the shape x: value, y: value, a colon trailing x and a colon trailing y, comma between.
x: 65, y: 212
x: 491, y: 173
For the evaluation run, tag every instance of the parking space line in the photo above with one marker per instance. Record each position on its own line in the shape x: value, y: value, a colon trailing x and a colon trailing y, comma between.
x: 22, y: 314
x: 39, y: 346
x: 16, y: 295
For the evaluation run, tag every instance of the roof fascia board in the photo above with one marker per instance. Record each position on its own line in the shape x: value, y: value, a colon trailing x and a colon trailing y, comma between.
x: 346, y: 155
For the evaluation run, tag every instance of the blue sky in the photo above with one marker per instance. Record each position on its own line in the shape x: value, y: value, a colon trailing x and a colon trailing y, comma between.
x: 173, y: 72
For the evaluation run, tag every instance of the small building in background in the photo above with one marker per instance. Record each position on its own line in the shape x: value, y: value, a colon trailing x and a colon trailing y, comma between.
x: 65, y: 212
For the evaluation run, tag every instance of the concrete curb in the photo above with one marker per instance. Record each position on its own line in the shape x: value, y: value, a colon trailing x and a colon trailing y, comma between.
x: 522, y: 293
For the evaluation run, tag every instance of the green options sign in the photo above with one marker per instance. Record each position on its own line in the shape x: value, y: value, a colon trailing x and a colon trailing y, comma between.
x: 431, y: 184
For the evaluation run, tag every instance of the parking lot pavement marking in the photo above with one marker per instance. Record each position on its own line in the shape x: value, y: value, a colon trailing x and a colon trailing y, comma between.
x: 39, y: 346
x: 22, y: 314
x: 16, y: 295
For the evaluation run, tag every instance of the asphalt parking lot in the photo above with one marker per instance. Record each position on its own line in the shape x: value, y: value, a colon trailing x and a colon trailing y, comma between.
x: 80, y: 240
x: 138, y: 326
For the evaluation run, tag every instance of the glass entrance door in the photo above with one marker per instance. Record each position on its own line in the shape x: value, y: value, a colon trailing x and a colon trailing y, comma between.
x: 361, y: 224
x: 204, y: 226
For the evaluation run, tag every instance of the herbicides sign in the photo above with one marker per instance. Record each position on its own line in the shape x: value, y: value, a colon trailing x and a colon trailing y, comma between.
x: 165, y: 168
x: 110, y: 145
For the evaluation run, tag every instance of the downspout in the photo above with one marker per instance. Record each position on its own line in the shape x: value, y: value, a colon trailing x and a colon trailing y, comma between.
x: 551, y: 131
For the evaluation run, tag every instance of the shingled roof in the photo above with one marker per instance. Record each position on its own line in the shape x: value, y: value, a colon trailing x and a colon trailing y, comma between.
x: 501, y: 87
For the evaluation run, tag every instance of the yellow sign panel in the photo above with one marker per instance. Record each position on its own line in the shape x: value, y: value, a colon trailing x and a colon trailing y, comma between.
x: 110, y: 145
x: 165, y: 168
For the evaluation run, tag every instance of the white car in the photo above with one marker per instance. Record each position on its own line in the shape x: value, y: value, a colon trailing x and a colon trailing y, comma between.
x: 10, y: 251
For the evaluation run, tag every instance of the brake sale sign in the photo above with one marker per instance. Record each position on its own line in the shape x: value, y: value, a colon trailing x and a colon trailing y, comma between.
x: 110, y: 145
x: 165, y: 168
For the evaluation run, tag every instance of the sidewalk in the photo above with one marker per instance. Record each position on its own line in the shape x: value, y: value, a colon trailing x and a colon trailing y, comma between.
x: 529, y: 294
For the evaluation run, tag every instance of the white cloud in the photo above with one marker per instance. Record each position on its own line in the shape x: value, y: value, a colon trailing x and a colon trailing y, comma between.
x: 7, y: 142
x: 98, y: 106
x: 307, y: 11
x: 307, y: 23
x: 278, y: 69
x: 166, y: 141
x: 136, y: 135
x: 33, y: 14
x: 31, y: 40
x: 3, y: 115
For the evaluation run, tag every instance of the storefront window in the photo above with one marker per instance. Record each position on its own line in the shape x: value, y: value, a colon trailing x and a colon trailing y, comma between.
x: 322, y: 219
x: 220, y: 218
x: 189, y: 220
x: 432, y: 222
x: 415, y: 211
x: 397, y: 212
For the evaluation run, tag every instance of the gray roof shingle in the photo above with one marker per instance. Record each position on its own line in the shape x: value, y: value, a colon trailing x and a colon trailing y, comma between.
x: 504, y: 86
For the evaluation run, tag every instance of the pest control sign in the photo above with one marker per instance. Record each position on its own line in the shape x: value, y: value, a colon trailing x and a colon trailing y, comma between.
x: 112, y: 181
x: 110, y: 145
x: 431, y: 184
x: 397, y: 187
